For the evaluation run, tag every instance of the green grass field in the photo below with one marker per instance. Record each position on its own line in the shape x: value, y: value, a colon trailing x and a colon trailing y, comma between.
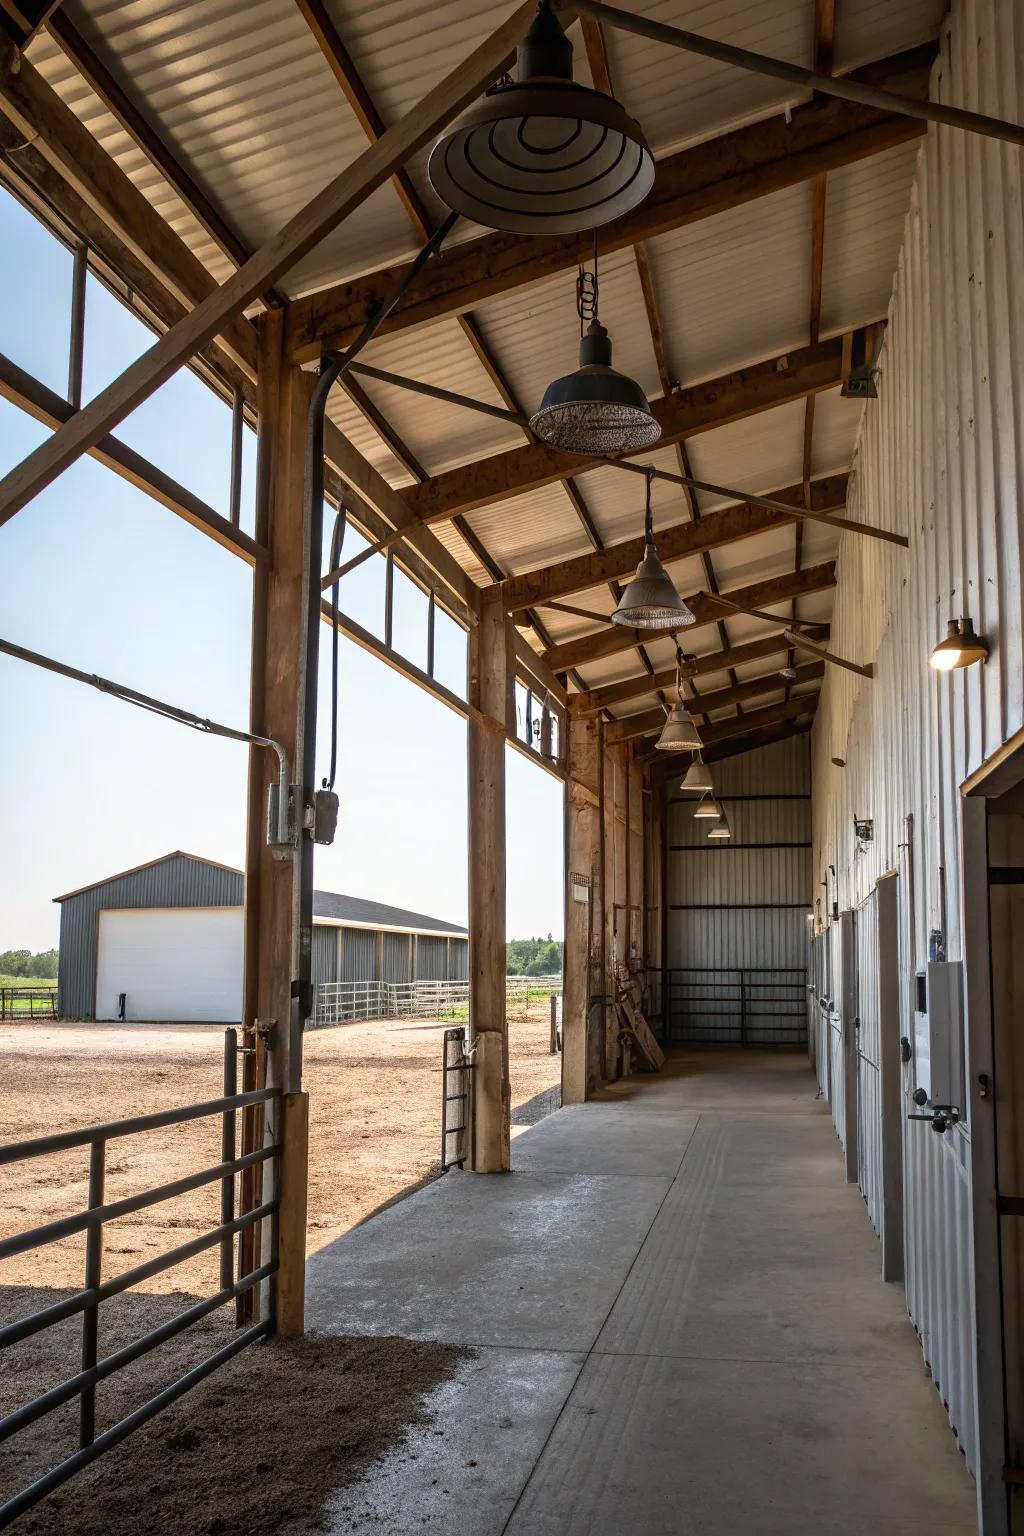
x: 23, y: 1005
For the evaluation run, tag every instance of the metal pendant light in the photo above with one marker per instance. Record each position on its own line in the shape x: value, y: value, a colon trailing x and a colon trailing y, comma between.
x: 961, y: 647
x: 697, y: 778
x: 720, y: 830
x: 679, y: 733
x: 707, y: 807
x: 541, y: 155
x: 595, y: 410
x: 650, y: 601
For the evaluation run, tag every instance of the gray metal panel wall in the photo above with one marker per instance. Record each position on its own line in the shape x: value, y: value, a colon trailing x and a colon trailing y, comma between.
x: 325, y: 953
x: 745, y: 906
x: 359, y: 955
x: 938, y: 458
x: 397, y: 959
x: 459, y: 960
x: 431, y: 959
x: 174, y: 882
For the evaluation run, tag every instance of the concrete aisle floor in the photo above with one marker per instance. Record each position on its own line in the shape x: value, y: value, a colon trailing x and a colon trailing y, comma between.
x: 678, y: 1326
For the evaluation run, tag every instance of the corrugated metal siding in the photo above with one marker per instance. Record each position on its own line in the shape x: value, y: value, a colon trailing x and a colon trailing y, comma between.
x: 745, y: 907
x: 175, y: 882
x: 325, y: 953
x: 459, y: 960
x: 358, y: 955
x: 431, y: 959
x: 939, y: 456
x: 397, y: 957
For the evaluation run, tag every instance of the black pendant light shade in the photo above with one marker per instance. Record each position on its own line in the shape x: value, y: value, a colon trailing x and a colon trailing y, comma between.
x: 650, y: 600
x: 542, y: 155
x: 596, y: 410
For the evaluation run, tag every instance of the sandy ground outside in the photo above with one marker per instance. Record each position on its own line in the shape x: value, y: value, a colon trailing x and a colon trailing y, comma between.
x: 375, y: 1104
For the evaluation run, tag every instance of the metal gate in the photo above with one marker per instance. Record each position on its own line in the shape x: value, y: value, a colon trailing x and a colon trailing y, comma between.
x: 455, y: 1069
x: 818, y: 1013
x: 869, y: 1096
x: 837, y: 1065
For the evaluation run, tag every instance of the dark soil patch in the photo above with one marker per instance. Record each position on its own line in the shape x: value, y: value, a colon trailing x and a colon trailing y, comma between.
x: 259, y: 1446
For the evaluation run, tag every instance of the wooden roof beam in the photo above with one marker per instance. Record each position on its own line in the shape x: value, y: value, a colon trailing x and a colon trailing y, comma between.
x: 696, y: 183
x: 597, y: 699
x: 614, y: 639
x: 634, y: 726
x: 686, y: 413
x: 677, y: 542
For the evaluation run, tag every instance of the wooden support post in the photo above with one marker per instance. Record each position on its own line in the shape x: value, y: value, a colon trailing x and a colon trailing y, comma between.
x: 582, y: 906
x: 278, y: 635
x: 492, y: 697
x: 291, y: 1216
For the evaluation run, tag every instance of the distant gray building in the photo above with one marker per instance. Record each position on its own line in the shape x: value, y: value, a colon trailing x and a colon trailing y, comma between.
x: 168, y: 937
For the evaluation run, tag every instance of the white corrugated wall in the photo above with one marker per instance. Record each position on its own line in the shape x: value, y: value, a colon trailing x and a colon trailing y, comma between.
x: 941, y: 457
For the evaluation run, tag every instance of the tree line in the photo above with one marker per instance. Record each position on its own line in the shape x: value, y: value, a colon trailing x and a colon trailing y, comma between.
x: 533, y: 957
x: 22, y: 962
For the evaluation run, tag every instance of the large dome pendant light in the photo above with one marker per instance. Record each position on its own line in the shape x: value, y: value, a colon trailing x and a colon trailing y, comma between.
x: 595, y: 410
x: 679, y: 734
x: 697, y: 778
x: 541, y: 155
x: 650, y: 601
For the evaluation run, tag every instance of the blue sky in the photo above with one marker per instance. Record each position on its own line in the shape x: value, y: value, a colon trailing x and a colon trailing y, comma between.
x: 95, y: 573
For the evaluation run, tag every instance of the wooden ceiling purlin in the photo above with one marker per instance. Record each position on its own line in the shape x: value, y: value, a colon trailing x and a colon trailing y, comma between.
x: 720, y: 173
x: 613, y: 640
x: 607, y: 698
x: 742, y: 392
x: 677, y: 541
x: 632, y: 727
x: 20, y: 20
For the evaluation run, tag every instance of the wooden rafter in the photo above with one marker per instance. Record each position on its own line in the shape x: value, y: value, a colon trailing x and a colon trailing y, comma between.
x: 614, y: 694
x: 646, y: 721
x: 677, y: 541
x: 686, y: 413
x: 612, y: 640
x: 696, y: 183
x: 221, y: 310
x: 20, y: 20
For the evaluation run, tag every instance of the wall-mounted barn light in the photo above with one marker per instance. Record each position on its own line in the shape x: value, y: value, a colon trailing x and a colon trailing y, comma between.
x: 697, y: 778
x: 595, y: 409
x: 650, y: 601
x: 961, y: 647
x: 708, y: 807
x: 541, y: 155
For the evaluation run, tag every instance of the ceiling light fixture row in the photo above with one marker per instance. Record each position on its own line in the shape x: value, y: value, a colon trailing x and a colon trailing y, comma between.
x: 650, y: 600
x: 679, y: 733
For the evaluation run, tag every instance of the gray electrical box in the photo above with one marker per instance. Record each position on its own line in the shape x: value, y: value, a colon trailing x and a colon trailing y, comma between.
x: 939, y: 1033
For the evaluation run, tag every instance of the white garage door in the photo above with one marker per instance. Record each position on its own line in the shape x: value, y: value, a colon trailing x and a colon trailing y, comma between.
x: 176, y: 963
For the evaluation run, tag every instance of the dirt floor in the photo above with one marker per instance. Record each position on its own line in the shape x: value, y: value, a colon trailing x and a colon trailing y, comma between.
x: 375, y: 1108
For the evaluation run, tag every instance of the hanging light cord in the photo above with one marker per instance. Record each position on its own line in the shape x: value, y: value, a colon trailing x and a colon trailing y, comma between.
x: 337, y: 543
x: 648, y: 509
x: 586, y: 291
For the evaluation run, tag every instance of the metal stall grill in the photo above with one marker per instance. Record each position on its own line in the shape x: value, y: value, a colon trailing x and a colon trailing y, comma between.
x: 95, y: 1290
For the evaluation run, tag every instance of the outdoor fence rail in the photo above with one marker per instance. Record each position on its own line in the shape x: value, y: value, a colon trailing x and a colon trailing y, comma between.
x: 736, y: 1005
x: 21, y: 1003
x: 95, y: 1290
x: 343, y: 1002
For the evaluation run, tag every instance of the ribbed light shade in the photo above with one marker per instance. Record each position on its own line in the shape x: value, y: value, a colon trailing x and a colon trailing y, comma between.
x: 697, y: 779
x: 708, y: 807
x: 596, y: 410
x: 679, y: 734
x: 650, y: 601
x: 543, y: 155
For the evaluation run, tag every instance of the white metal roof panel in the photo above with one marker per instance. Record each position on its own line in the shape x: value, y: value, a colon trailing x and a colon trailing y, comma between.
x: 865, y: 210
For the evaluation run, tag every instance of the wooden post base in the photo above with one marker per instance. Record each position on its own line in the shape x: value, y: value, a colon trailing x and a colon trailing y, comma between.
x: 291, y: 1216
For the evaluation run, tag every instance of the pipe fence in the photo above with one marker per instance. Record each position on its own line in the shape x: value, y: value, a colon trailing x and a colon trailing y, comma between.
x: 345, y: 1002
x: 95, y: 1290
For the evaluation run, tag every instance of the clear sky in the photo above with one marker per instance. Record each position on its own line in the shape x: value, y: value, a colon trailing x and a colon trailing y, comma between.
x: 96, y: 574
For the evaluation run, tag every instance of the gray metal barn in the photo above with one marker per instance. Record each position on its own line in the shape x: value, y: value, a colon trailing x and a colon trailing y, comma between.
x: 168, y: 935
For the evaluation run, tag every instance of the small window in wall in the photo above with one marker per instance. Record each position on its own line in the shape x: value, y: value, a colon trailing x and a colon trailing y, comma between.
x: 450, y: 652
x: 409, y: 613
x: 361, y: 592
x: 35, y: 274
